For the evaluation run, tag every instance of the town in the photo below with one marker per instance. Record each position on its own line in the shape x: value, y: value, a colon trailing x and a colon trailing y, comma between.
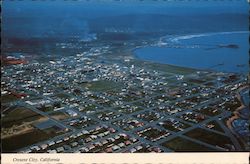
x: 83, y: 104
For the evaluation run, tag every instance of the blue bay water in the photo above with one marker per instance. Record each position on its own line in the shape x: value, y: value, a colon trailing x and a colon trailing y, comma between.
x: 202, y: 51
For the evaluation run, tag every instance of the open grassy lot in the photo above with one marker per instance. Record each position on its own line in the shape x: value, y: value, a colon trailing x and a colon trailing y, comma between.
x: 16, y: 142
x: 18, y: 115
x: 13, y: 143
x: 181, y: 144
x: 102, y: 85
x: 63, y: 96
x: 18, y: 129
x: 8, y: 98
x: 59, y: 115
x: 216, y: 126
x: 209, y: 137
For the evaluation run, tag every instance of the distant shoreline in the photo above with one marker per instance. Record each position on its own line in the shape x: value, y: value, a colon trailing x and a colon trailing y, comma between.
x: 172, y: 46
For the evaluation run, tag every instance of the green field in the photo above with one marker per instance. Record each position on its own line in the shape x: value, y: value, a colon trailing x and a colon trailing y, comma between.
x: 63, y: 96
x: 59, y: 115
x: 209, y: 137
x: 102, y: 85
x: 18, y: 115
x: 13, y: 143
x: 182, y: 144
x: 8, y: 98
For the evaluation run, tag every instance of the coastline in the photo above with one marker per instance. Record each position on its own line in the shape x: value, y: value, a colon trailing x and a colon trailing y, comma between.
x: 161, y: 66
x: 186, y: 37
x: 237, y: 111
x: 169, y: 43
x: 135, y: 57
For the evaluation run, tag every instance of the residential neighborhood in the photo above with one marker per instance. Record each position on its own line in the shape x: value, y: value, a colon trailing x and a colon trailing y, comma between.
x: 80, y: 104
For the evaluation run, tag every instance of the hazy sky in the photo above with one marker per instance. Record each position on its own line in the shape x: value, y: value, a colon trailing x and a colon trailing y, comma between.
x: 39, y: 17
x: 95, y: 8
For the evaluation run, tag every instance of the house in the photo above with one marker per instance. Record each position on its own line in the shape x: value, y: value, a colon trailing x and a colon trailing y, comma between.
x: 104, y: 142
x: 132, y: 150
x: 115, y: 147
x: 121, y: 144
x: 51, y: 151
x: 59, y: 149
x: 74, y: 144
x: 51, y: 143
x: 43, y: 146
x: 71, y: 113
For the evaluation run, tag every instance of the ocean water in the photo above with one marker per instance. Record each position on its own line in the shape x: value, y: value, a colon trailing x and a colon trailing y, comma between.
x: 221, y: 51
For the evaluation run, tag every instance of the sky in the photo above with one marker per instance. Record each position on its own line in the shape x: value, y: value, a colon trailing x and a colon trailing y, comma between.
x: 97, y: 8
x: 27, y: 17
